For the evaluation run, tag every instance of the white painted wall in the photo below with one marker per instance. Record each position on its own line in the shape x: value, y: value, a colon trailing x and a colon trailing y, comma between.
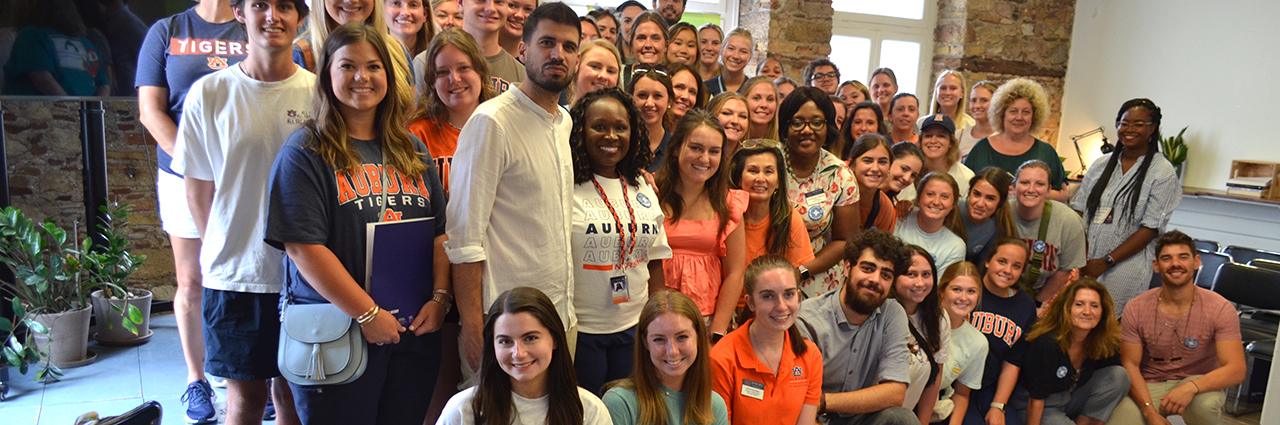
x: 1212, y: 65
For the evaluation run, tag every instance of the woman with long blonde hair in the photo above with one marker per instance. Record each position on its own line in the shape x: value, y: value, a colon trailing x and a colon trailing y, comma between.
x: 762, y: 102
x: 671, y: 382
x: 455, y: 81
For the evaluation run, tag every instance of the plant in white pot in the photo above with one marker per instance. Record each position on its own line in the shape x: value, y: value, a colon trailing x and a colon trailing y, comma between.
x: 47, y: 288
x: 122, y: 312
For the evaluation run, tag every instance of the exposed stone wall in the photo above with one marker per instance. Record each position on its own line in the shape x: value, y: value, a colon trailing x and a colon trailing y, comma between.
x: 793, y: 31
x: 999, y: 39
x: 42, y: 139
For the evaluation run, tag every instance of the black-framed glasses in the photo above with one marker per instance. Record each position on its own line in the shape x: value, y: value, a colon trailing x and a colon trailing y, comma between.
x: 642, y: 68
x: 825, y: 75
x: 816, y: 125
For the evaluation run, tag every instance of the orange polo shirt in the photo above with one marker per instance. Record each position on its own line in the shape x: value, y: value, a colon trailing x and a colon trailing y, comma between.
x: 753, y: 394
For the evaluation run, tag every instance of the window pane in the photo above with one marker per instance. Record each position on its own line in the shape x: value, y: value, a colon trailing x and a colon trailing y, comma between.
x: 903, y: 57
x: 908, y: 9
x: 852, y: 55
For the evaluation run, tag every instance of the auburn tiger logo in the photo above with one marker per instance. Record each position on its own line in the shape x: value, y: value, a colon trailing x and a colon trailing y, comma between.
x: 217, y: 63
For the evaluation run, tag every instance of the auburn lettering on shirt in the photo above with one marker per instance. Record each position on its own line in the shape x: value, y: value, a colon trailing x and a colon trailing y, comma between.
x: 995, y: 324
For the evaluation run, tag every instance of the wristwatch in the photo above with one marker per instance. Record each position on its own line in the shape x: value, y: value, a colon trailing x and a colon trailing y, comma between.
x: 804, y: 273
x: 1111, y: 262
x: 998, y: 406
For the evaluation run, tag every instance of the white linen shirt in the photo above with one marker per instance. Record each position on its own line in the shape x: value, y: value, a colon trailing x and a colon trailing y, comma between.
x: 512, y: 200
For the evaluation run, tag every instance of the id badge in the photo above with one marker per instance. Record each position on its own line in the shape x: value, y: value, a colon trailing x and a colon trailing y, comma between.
x: 620, y: 289
x: 815, y: 197
x: 753, y: 389
x: 1102, y: 216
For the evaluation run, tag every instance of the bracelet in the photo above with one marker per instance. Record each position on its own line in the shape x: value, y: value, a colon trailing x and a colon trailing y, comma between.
x: 1193, y: 382
x: 368, y: 316
x: 440, y: 297
x: 822, y: 403
x: 444, y: 292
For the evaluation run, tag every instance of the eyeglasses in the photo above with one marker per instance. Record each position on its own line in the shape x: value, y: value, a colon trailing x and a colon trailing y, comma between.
x: 825, y: 75
x: 760, y: 143
x: 642, y: 68
x: 816, y: 125
x: 1138, y: 125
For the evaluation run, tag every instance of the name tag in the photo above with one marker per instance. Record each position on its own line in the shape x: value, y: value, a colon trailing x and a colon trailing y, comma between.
x: 753, y: 389
x: 816, y: 197
x: 620, y: 289
x: 1102, y: 216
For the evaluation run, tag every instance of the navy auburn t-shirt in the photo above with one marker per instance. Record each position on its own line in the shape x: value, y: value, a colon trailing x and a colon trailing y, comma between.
x: 311, y: 203
x: 178, y: 51
x: 1005, y: 322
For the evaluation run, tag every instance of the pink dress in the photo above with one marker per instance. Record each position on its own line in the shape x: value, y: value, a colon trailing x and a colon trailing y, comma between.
x: 696, y: 248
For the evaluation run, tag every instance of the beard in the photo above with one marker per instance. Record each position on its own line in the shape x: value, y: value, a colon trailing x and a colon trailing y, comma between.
x: 548, y: 83
x: 860, y: 302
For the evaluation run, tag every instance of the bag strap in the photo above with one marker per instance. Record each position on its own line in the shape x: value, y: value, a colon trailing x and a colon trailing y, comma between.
x: 1038, y: 249
x: 875, y: 211
x: 924, y: 345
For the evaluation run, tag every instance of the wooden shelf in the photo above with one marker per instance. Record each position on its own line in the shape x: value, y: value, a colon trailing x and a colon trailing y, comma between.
x: 1219, y: 193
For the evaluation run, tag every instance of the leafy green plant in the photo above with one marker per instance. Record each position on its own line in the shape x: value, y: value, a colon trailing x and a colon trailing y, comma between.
x: 108, y: 266
x: 20, y: 351
x: 1175, y: 148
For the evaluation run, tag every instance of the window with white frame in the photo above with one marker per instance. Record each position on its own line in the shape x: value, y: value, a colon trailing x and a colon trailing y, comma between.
x: 870, y: 34
x: 696, y: 12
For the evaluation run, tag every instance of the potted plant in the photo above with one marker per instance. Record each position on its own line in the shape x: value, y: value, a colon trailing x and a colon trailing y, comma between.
x: 122, y: 312
x: 20, y: 347
x: 1175, y: 150
x: 47, y: 289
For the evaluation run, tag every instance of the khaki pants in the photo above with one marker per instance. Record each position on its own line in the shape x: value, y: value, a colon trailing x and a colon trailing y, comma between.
x: 1205, y: 408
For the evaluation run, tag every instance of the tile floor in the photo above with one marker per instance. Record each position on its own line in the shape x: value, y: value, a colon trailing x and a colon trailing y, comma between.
x: 122, y: 378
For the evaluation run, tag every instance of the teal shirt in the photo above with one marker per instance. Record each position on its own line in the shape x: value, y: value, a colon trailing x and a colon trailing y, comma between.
x: 624, y: 406
x: 983, y: 155
x: 74, y: 62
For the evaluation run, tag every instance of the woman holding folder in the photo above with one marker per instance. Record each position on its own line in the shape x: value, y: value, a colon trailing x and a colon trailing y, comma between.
x: 352, y: 163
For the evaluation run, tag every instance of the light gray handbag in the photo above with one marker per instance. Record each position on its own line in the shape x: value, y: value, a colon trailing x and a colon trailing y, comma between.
x: 320, y: 345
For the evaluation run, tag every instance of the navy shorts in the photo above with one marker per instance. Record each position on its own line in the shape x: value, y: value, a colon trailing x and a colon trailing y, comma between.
x: 241, y: 334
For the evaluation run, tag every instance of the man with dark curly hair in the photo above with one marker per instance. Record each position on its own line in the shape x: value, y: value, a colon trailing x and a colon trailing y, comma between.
x: 862, y: 339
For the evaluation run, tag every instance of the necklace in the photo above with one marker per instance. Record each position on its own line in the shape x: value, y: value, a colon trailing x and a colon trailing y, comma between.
x: 772, y: 364
x: 1160, y: 298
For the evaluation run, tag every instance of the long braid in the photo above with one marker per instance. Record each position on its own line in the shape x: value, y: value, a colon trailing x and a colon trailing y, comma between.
x: 1134, y: 186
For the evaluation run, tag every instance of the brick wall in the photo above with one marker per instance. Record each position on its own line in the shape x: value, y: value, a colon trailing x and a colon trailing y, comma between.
x: 42, y: 139
x: 792, y: 31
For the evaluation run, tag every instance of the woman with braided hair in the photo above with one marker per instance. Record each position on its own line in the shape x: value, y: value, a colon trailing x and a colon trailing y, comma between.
x: 1126, y: 200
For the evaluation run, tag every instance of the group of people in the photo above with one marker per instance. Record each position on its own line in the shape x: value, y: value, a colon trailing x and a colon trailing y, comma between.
x: 595, y: 259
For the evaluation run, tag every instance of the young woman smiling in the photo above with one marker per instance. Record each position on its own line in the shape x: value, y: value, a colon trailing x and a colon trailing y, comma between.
x: 769, y: 67
x: 930, y: 330
x: 979, y: 101
x: 526, y: 374
x: 648, y: 43
x: 709, y: 38
x: 935, y: 223
x: 1004, y: 317
x: 852, y: 92
x: 357, y: 133
x: 689, y: 92
x: 884, y: 86
x: 607, y: 24
x: 736, y: 53
x: 870, y: 161
x: 1018, y: 110
x: 445, y: 14
x: 904, y: 111
x: 864, y: 118
x: 731, y: 110
x: 948, y: 99
x: 986, y: 212
x: 682, y: 47
x: 1073, y: 372
x: 455, y: 81
x: 651, y: 90
x: 703, y: 218
x: 762, y: 101
x: 822, y: 187
x: 672, y: 378
x: 960, y: 291
x: 1059, y: 244
x: 613, y: 210
x: 599, y: 65
x: 773, y: 227
x: 908, y: 161
x: 941, y: 155
x: 1126, y: 199
x: 769, y: 350
x: 407, y: 21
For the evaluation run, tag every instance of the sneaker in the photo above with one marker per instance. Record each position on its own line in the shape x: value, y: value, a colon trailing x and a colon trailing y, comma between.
x: 199, y: 399
x: 217, y: 381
